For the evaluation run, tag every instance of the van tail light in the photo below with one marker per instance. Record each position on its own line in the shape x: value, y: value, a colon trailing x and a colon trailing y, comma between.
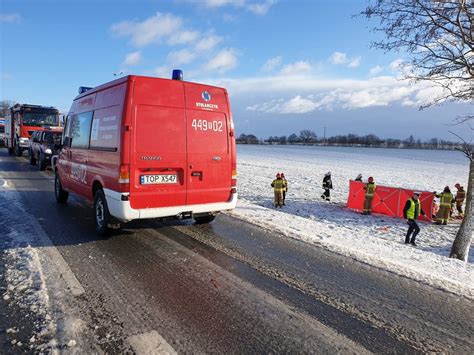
x: 124, y: 176
x: 234, y: 178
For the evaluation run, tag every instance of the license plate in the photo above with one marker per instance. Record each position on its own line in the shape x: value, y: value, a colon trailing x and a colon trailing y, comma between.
x: 158, y: 179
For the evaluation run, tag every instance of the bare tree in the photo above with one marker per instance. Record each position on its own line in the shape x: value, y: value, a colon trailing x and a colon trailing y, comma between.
x: 5, y: 106
x: 462, y: 242
x: 438, y: 36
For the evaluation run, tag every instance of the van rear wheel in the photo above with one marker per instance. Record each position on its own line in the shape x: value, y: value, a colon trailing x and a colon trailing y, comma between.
x: 32, y: 158
x: 41, y: 162
x: 202, y: 219
x: 60, y: 194
x: 101, y: 212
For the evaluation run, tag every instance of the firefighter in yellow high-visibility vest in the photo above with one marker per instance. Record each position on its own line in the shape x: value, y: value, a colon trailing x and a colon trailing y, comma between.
x: 445, y: 200
x: 278, y: 187
x: 369, y: 195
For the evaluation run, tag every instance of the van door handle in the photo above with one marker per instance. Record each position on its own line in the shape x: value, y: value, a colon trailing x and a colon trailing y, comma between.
x: 216, y: 158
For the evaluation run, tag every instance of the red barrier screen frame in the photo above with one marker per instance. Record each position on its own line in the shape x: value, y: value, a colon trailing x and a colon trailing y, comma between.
x: 388, y: 201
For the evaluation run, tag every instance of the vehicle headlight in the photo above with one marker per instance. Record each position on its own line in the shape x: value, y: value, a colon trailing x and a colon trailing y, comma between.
x: 24, y: 140
x: 48, y: 151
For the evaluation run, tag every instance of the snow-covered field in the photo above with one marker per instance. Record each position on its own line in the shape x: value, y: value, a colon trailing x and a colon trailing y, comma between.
x: 376, y: 240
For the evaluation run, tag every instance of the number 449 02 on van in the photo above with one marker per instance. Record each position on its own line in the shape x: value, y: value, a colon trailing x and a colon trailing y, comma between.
x: 142, y: 147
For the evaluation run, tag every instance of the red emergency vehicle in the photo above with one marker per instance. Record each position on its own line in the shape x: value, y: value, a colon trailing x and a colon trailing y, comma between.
x: 22, y: 120
x: 142, y: 147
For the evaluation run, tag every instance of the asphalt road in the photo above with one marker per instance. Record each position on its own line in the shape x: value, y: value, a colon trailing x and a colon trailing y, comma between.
x: 228, y: 287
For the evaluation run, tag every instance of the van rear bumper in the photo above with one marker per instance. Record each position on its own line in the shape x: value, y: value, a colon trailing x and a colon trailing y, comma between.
x: 124, y: 212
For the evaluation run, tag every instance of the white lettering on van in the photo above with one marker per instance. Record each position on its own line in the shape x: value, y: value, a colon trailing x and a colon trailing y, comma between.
x: 108, y: 128
x: 78, y: 172
x: 204, y: 125
x: 109, y: 119
x: 95, y: 130
x: 207, y: 106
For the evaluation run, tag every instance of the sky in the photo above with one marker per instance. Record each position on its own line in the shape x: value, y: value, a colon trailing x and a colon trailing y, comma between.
x: 288, y: 65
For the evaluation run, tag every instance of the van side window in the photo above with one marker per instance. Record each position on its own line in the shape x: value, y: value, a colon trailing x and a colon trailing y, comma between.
x: 80, y: 129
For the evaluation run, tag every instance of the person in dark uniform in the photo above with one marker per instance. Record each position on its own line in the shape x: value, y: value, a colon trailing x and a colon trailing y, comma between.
x: 411, y: 212
x: 327, y: 186
x: 459, y: 199
x: 285, y: 190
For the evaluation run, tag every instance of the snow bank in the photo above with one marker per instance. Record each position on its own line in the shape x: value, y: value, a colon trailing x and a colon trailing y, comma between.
x: 375, y: 240
x: 26, y: 286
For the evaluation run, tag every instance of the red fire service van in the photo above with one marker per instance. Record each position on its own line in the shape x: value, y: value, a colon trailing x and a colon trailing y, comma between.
x: 22, y: 120
x: 142, y: 147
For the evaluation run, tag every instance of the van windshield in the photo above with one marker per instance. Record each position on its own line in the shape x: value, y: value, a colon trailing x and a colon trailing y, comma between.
x: 40, y: 119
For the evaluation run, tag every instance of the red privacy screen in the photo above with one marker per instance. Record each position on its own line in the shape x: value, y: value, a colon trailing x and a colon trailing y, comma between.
x: 388, y: 200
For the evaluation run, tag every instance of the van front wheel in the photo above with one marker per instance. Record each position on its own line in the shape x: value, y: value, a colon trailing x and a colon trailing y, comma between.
x: 101, y: 211
x: 202, y: 219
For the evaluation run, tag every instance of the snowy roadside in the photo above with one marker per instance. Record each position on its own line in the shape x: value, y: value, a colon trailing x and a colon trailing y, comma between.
x: 34, y: 279
x: 26, y: 287
x: 375, y: 240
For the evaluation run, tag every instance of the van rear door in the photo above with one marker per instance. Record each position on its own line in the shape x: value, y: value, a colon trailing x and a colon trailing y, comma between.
x: 208, y: 144
x: 158, y: 151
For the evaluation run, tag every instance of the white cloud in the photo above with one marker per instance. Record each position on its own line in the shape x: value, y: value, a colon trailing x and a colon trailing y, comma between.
x: 225, y: 60
x: 354, y: 62
x: 297, y: 68
x: 272, y: 64
x: 151, y: 30
x: 340, y: 58
x: 182, y: 56
x: 396, y: 65
x: 256, y: 7
x: 261, y: 8
x: 208, y: 43
x: 162, y: 71
x: 6, y: 76
x: 10, y: 18
x: 183, y: 37
x: 308, y: 93
x: 133, y: 58
x: 375, y: 70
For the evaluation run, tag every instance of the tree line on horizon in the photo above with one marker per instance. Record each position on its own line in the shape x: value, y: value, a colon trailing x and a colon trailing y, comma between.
x: 308, y: 137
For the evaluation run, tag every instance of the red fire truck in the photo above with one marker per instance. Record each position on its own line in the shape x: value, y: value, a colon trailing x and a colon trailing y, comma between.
x: 22, y: 120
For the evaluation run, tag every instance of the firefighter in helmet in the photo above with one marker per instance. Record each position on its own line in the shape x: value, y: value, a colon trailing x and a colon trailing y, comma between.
x: 285, y: 190
x: 327, y: 186
x: 369, y: 195
x: 278, y: 187
x: 459, y: 199
x: 445, y: 200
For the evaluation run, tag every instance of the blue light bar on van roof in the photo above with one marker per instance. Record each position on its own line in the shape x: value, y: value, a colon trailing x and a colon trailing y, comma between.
x: 83, y: 89
x: 177, y: 74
